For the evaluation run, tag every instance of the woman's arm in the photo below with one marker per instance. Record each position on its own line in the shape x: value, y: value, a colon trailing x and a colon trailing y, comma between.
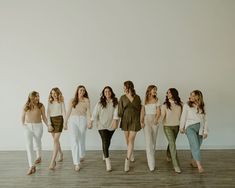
x: 142, y: 114
x: 88, y: 114
x: 95, y: 114
x: 43, y: 115
x: 120, y: 108
x: 115, y: 118
x: 63, y: 110
x: 158, y: 115
x: 205, y: 128
x: 183, y: 118
x: 70, y: 106
x: 23, y: 117
x: 162, y: 113
x: 48, y: 114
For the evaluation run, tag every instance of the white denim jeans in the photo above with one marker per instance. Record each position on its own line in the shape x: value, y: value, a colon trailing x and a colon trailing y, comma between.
x: 33, y: 131
x: 150, y: 134
x: 78, y: 127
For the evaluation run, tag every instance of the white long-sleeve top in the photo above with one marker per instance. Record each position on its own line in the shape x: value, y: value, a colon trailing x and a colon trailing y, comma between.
x: 104, y: 116
x: 55, y: 109
x: 190, y: 116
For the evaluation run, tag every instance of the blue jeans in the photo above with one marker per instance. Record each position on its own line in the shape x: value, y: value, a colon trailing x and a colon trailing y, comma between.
x: 195, y: 140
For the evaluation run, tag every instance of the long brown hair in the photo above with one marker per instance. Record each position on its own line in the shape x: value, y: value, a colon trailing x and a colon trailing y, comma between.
x: 201, y: 104
x: 29, y: 105
x: 130, y: 87
x: 176, y: 98
x: 76, y: 99
x: 103, y: 99
x: 148, y: 91
x: 58, y: 93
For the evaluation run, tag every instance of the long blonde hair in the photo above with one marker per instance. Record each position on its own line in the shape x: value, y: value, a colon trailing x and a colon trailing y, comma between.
x: 58, y: 93
x: 201, y: 104
x: 148, y: 91
x: 29, y: 105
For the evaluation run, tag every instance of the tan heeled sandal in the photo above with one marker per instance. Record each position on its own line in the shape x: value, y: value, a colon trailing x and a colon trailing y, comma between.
x: 38, y: 160
x: 61, y: 157
x: 52, y: 167
x: 32, y: 170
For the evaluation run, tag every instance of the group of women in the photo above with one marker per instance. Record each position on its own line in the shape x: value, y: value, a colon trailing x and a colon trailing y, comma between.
x: 128, y: 112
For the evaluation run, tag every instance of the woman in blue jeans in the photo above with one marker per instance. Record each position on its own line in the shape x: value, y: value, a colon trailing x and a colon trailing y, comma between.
x: 193, y: 123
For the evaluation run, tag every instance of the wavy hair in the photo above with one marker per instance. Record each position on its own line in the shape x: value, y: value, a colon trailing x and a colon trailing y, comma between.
x: 58, y: 93
x: 103, y: 99
x: 75, y: 100
x: 175, y: 96
x: 130, y: 87
x: 29, y: 105
x: 148, y: 91
x: 201, y: 104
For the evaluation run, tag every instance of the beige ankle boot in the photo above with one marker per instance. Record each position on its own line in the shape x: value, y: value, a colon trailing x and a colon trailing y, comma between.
x: 132, y: 159
x: 127, y: 165
x: 108, y: 164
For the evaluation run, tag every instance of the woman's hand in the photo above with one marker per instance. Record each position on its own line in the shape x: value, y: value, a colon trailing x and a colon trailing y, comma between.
x: 155, y: 121
x: 50, y: 128
x: 89, y: 125
x: 65, y: 126
x: 204, y: 135
x: 182, y: 130
x: 142, y: 125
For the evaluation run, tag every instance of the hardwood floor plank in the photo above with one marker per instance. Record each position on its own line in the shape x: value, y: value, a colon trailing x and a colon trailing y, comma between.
x: 219, y: 171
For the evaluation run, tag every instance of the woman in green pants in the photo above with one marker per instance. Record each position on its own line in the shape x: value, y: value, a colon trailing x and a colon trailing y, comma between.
x: 171, y: 111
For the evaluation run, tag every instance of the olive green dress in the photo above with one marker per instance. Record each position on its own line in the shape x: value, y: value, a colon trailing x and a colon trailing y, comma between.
x: 129, y: 112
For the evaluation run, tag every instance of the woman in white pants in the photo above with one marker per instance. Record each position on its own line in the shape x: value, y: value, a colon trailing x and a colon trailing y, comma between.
x: 105, y: 115
x: 32, y: 116
x: 79, y: 119
x: 56, y: 115
x: 150, y: 114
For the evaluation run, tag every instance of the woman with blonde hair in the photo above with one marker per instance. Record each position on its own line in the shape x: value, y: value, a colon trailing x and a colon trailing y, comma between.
x: 193, y: 122
x: 170, y: 114
x: 79, y: 119
x: 56, y: 115
x: 129, y: 108
x: 32, y: 116
x: 150, y: 114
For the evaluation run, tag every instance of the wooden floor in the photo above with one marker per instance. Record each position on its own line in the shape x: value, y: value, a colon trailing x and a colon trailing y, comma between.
x: 219, y: 171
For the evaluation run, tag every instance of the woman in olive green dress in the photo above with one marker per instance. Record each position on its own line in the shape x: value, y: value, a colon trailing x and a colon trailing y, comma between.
x: 129, y: 108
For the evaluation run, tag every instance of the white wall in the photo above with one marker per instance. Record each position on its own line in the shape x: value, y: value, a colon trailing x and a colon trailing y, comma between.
x: 183, y: 44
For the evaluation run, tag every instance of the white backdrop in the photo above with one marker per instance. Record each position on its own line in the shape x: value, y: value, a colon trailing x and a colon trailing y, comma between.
x: 183, y: 44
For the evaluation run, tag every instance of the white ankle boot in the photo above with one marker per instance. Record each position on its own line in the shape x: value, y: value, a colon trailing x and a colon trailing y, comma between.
x: 108, y: 164
x: 127, y: 165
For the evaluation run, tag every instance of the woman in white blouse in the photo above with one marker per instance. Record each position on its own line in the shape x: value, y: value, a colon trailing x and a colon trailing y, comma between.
x: 79, y: 119
x: 105, y: 115
x: 56, y: 115
x: 150, y: 114
x: 193, y: 123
